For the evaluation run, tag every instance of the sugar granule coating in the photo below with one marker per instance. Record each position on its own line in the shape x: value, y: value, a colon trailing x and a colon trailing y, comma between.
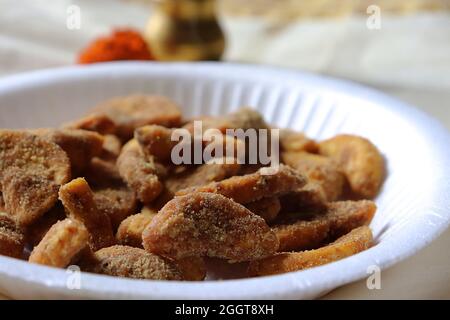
x: 131, y: 112
x: 310, y: 231
x: 27, y: 196
x: 292, y: 141
x: 95, y: 122
x: 252, y: 187
x: 61, y: 244
x: 319, y: 169
x: 33, y: 154
x: 118, y: 202
x: 78, y: 200
x: 356, y: 241
x: 80, y: 145
x: 266, y: 208
x: 129, y: 262
x: 156, y: 141
x: 12, y: 239
x: 208, y: 224
x: 139, y: 172
x: 130, y: 230
x: 360, y: 160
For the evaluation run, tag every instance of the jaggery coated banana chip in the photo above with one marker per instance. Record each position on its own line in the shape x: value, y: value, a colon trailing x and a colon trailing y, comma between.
x: 201, y: 175
x: 12, y: 239
x: 139, y: 172
x: 80, y: 145
x: 78, y: 200
x: 130, y: 230
x: 311, y: 198
x: 131, y: 112
x: 292, y: 141
x: 27, y: 196
x: 61, y: 244
x: 357, y: 240
x: 102, y: 173
x: 43, y: 161
x: 95, y: 122
x: 111, y: 148
x: 156, y: 141
x: 129, y: 262
x: 319, y: 169
x: 252, y: 187
x: 243, y: 118
x: 36, y: 232
x: 194, y: 176
x: 267, y: 208
x: 192, y: 268
x: 2, y: 202
x: 360, y: 160
x: 309, y: 231
x: 118, y: 202
x: 208, y: 224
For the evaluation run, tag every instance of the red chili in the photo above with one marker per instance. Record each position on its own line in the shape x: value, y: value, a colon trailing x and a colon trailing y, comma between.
x: 122, y: 44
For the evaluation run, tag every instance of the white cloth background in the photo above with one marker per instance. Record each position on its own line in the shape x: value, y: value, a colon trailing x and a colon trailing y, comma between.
x: 409, y: 57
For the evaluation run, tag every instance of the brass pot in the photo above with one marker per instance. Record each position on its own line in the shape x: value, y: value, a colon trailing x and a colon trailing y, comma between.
x: 185, y: 30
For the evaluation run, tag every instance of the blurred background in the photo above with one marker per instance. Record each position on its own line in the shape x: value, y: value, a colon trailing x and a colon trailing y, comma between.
x: 401, y: 47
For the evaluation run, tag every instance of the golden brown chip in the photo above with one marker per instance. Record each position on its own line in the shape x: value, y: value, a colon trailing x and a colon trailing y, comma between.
x: 266, y: 208
x: 360, y: 160
x: 78, y: 200
x: 357, y: 240
x: 319, y: 169
x: 2, y: 203
x: 12, y: 239
x: 292, y: 141
x: 198, y: 176
x: 244, y: 118
x: 31, y: 170
x: 156, y: 141
x: 131, y: 229
x: 310, y: 231
x: 129, y: 262
x: 36, y: 155
x: 61, y: 244
x: 192, y: 268
x: 311, y: 198
x: 102, y: 173
x: 118, y: 202
x: 111, y: 148
x: 36, y: 232
x: 80, y: 145
x: 208, y: 224
x: 27, y: 196
x: 139, y: 173
x: 252, y: 187
x: 131, y: 112
x: 95, y: 122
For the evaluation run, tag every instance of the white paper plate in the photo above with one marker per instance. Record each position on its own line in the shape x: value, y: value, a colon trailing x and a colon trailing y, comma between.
x: 414, y: 205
